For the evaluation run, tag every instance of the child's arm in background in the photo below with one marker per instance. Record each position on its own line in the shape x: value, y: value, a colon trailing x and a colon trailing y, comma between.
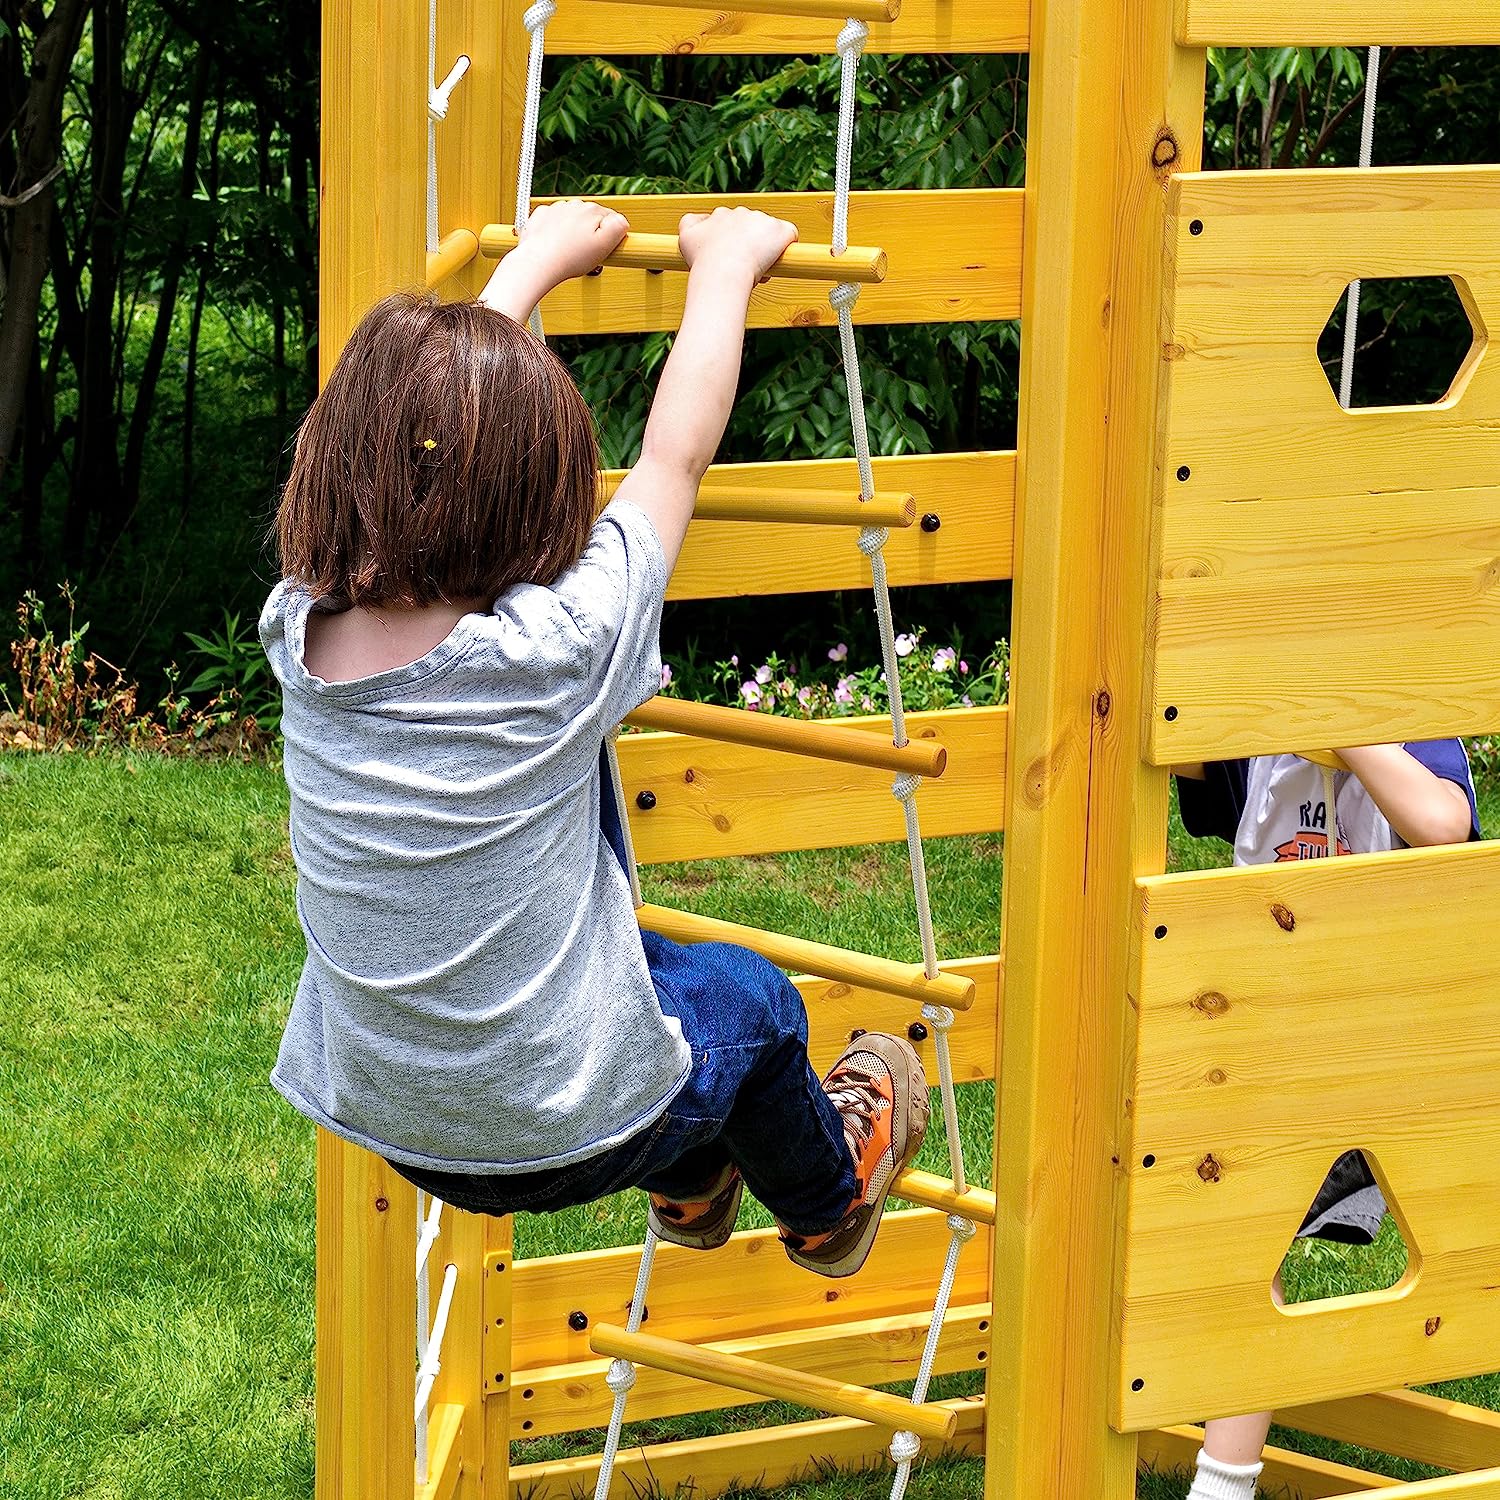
x: 728, y: 251
x: 560, y: 241
x: 1423, y: 807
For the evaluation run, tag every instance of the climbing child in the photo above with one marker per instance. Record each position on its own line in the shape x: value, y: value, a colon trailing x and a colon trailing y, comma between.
x: 1279, y: 808
x: 456, y: 637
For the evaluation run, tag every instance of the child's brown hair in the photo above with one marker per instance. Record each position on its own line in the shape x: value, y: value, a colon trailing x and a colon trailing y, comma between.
x: 449, y: 456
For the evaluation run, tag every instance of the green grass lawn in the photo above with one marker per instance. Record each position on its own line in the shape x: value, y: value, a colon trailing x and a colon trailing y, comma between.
x: 156, y: 1267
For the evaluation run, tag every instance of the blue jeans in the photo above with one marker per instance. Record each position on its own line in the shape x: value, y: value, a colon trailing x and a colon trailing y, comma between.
x: 751, y: 1098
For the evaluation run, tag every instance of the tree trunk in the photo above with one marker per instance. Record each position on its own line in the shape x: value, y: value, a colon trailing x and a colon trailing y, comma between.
x: 195, y: 325
x: 39, y: 140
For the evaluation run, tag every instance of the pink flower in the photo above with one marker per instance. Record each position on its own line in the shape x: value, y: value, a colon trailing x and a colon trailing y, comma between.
x: 968, y: 702
x: 943, y: 658
x: 763, y: 675
x: 804, y: 696
x: 905, y: 645
x: 751, y: 693
x: 838, y: 653
x: 867, y: 703
x: 734, y: 661
x: 963, y: 667
x: 844, y: 692
x: 666, y: 674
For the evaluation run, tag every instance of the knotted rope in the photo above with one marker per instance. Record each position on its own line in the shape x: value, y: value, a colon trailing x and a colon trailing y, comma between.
x: 438, y: 95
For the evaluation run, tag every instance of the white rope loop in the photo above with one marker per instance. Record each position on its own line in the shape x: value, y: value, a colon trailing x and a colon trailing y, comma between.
x: 621, y: 1376
x: 438, y: 96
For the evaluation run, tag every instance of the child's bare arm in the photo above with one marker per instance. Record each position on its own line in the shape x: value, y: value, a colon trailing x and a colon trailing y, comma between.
x: 1422, y: 807
x: 728, y: 251
x: 560, y: 241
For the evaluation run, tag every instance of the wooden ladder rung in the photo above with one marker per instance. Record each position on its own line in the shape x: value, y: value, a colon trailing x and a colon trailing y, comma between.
x: 932, y: 1191
x: 802, y: 956
x: 821, y: 739
x: 806, y: 508
x: 661, y: 252
x: 833, y: 10
x: 455, y: 250
x: 935, y: 1423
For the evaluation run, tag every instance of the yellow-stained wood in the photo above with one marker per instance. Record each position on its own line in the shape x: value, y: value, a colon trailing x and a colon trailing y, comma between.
x: 564, y: 1398
x: 757, y: 1378
x: 971, y: 495
x: 445, y: 1426
x: 863, y: 264
x: 775, y: 1456
x: 1243, y: 976
x: 455, y: 250
x: 836, y: 1010
x: 826, y: 10
x: 803, y: 956
x: 1114, y: 109
x: 692, y: 1294
x: 714, y: 798
x: 805, y: 508
x: 932, y: 1191
x: 1410, y: 1424
x: 650, y: 30
x: 1326, y: 577
x: 1287, y: 1475
x: 366, y: 1317
x: 1481, y: 1486
x: 495, y: 1389
x: 821, y: 739
x: 953, y: 257
x: 460, y: 1377
x: 1337, y: 23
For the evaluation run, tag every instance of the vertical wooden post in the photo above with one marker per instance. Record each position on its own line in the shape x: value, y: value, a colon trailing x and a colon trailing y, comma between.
x: 1116, y: 108
x: 499, y: 1284
x: 374, y: 179
x: 461, y: 1374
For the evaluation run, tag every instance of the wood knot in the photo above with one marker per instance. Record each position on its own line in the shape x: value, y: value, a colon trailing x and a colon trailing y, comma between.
x: 381, y: 1204
x: 1210, y: 1169
x: 1284, y: 918
x: 1170, y: 352
x: 838, y: 991
x: 1102, y: 703
x: 1211, y: 1003
x: 1432, y: 1325
x: 690, y: 775
x: 721, y: 823
x: 1216, y: 1076
x: 1165, y: 150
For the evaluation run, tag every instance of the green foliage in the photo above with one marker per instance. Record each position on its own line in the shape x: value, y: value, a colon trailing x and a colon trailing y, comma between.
x: 235, y: 669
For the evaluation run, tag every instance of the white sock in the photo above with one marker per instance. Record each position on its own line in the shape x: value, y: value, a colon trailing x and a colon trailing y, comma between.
x: 1217, y: 1481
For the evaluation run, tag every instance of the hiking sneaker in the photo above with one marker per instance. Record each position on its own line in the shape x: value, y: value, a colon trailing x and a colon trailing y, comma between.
x: 702, y: 1223
x: 880, y: 1090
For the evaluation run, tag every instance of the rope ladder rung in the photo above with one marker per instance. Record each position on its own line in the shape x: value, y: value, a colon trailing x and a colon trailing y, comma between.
x: 829, y: 10
x: 717, y: 1367
x: 931, y: 1191
x: 818, y: 739
x: 455, y: 250
x: 859, y: 264
x: 803, y: 956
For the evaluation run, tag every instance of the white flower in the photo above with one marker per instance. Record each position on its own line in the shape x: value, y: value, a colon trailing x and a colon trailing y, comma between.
x: 905, y: 645
x: 763, y: 675
x: 943, y: 658
x: 750, y: 692
x: 666, y: 675
x: 838, y: 653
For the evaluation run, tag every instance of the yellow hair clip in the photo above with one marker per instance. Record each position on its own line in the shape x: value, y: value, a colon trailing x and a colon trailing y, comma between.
x: 429, y: 444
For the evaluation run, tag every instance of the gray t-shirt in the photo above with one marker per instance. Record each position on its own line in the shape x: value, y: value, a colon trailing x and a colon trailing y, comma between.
x: 476, y: 995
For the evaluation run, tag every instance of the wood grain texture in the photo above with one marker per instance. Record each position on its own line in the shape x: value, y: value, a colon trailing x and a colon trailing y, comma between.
x: 1337, y: 23
x: 712, y: 1466
x: 717, y: 799
x: 1287, y: 1475
x: 1325, y: 577
x: 565, y: 1398
x: 1244, y: 977
x: 1481, y: 1486
x: 954, y: 257
x: 1111, y: 98
x: 690, y: 1291
x: 1410, y: 1424
x: 971, y: 494
x: 495, y: 1398
x: 650, y: 30
x: 460, y: 1379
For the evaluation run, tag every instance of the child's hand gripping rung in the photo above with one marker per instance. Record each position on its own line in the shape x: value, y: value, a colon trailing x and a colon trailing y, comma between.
x: 662, y: 252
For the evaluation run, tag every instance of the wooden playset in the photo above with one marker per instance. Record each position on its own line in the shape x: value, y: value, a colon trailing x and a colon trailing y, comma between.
x: 1211, y: 558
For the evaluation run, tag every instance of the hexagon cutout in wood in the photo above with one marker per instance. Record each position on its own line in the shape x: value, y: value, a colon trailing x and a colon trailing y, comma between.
x: 1418, y: 339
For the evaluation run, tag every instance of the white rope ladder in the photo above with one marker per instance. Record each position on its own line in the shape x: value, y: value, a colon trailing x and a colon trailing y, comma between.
x: 905, y: 1446
x: 430, y: 1327
x: 438, y: 96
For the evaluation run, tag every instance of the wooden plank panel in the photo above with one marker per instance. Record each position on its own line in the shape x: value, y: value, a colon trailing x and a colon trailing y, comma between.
x: 1481, y: 1486
x: 954, y: 257
x: 692, y: 1294
x: 714, y: 798
x: 768, y: 1457
x: 1338, y: 23
x: 1287, y: 1475
x: 1243, y: 976
x: 1325, y: 577
x: 835, y: 1010
x: 1410, y: 1424
x: 565, y: 1398
x: 651, y: 30
x: 972, y: 495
